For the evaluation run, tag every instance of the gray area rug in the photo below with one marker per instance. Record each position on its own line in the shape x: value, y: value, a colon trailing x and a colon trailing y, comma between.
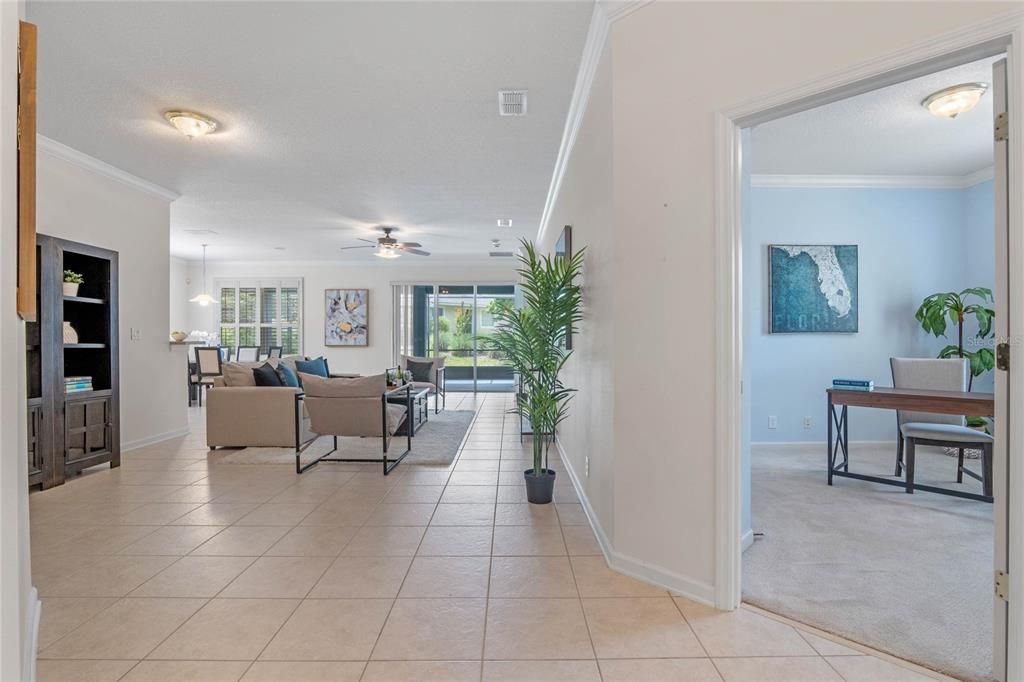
x: 907, y: 574
x: 435, y: 444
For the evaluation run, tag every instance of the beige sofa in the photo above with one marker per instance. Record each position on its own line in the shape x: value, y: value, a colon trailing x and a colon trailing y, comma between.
x: 241, y: 414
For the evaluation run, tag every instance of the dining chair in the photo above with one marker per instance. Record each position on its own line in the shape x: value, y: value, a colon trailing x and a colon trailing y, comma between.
x: 225, y: 353
x: 248, y: 354
x: 274, y: 351
x: 208, y: 366
x: 942, y: 430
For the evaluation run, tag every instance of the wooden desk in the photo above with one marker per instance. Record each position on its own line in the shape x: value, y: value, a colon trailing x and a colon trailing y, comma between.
x: 914, y: 400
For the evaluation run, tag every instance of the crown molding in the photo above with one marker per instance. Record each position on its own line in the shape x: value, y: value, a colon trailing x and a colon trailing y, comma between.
x: 604, y: 14
x: 91, y: 163
x: 872, y: 181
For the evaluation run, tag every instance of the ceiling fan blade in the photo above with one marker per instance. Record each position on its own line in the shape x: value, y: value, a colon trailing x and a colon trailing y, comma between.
x: 415, y: 252
x: 345, y: 248
x: 368, y: 241
x: 413, y: 245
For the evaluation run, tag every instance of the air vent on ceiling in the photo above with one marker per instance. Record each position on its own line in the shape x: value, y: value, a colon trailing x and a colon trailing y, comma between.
x: 504, y: 222
x: 501, y: 254
x: 512, y: 102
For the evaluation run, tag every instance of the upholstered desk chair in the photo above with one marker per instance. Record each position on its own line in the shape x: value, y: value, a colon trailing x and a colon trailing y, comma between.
x: 943, y: 430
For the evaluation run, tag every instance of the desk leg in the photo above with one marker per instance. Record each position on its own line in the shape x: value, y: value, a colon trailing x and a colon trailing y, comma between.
x: 846, y: 439
x: 829, y: 416
x: 908, y: 453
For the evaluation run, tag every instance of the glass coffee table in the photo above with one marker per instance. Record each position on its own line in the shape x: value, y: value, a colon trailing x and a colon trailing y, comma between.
x: 419, y: 414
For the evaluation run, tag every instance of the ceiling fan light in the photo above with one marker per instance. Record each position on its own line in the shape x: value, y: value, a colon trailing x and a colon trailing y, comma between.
x: 952, y: 101
x: 386, y: 253
x: 190, y: 124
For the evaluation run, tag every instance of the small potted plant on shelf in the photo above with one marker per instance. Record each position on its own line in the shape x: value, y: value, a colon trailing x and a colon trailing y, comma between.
x: 72, y: 280
x: 532, y: 339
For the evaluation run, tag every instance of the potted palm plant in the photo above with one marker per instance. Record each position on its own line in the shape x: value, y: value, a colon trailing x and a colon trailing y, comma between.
x: 532, y: 340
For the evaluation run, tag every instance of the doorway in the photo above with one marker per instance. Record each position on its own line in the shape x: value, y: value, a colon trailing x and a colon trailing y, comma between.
x: 454, y: 321
x: 733, y: 385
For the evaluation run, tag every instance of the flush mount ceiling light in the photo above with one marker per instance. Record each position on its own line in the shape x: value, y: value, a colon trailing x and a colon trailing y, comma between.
x: 203, y: 299
x: 190, y: 124
x: 952, y: 101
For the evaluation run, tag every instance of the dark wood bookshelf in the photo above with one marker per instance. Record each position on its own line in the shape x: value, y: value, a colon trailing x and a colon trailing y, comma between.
x: 69, y: 432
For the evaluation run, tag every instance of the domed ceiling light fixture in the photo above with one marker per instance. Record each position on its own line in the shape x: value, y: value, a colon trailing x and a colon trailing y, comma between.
x: 952, y: 101
x: 190, y: 124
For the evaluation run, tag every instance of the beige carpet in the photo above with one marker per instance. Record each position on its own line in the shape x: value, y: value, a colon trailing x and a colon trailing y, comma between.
x: 436, y: 443
x: 906, y: 574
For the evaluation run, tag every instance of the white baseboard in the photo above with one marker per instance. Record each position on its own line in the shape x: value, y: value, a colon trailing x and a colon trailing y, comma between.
x: 819, y: 445
x: 152, y: 440
x: 32, y: 641
x: 636, y: 568
x: 746, y: 540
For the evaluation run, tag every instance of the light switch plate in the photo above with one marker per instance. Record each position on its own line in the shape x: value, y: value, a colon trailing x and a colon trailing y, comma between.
x: 773, y: 422
x: 136, y: 334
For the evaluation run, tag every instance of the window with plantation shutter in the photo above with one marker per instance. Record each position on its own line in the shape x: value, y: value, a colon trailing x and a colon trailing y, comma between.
x: 262, y: 313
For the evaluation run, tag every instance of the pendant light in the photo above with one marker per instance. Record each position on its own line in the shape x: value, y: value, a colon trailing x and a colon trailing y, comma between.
x: 203, y: 299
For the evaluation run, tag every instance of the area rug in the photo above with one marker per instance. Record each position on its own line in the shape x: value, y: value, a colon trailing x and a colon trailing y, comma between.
x: 908, y: 574
x: 436, y: 444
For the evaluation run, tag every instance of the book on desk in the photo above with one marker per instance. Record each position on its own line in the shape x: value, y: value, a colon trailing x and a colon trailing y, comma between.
x: 853, y: 384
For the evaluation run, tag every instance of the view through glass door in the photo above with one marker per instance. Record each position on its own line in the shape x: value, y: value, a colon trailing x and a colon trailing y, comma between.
x: 454, y: 321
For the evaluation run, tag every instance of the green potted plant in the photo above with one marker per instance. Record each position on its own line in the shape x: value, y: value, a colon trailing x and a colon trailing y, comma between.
x: 72, y: 280
x: 532, y: 340
x: 936, y: 309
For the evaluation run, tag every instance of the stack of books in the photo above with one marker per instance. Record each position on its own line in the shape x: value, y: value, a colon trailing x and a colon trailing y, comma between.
x: 77, y: 384
x: 853, y: 384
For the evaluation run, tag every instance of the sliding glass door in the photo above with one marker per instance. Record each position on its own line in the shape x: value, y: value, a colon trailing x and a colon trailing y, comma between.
x: 453, y: 321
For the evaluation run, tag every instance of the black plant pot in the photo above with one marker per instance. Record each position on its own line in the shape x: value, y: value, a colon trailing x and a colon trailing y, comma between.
x: 539, y: 488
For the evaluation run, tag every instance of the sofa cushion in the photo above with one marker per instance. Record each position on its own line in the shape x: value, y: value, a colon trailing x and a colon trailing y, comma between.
x: 266, y: 375
x: 420, y: 385
x: 361, y: 387
x: 287, y: 375
x: 316, y: 367
x: 237, y: 374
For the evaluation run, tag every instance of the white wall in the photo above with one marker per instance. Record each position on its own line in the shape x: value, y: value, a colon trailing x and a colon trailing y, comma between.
x: 585, y: 202
x: 672, y: 67
x: 179, y: 312
x: 81, y: 205
x: 317, y: 276
x: 17, y: 597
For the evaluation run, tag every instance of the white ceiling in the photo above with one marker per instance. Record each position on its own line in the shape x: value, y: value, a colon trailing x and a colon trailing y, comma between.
x: 883, y: 132
x: 335, y: 117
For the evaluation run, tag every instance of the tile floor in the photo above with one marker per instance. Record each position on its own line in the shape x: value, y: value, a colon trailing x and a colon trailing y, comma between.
x: 174, y: 568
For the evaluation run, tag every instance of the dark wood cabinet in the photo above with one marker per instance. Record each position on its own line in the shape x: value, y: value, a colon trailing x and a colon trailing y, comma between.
x: 72, y: 428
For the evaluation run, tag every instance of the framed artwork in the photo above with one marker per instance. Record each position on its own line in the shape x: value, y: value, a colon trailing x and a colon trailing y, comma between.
x: 563, y: 249
x: 812, y: 288
x: 346, y: 315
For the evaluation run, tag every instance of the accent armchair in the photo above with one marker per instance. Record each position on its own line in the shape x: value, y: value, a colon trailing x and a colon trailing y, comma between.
x: 355, y: 407
x: 434, y: 371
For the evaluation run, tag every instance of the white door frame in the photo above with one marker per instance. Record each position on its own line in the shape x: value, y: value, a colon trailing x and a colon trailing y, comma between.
x: 981, y: 40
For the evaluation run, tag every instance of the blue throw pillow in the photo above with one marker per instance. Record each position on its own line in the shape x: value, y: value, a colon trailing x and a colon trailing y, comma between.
x: 316, y: 367
x: 288, y: 377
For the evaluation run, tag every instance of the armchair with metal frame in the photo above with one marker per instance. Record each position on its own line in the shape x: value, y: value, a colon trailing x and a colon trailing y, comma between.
x: 437, y: 387
x: 208, y: 366
x: 356, y: 407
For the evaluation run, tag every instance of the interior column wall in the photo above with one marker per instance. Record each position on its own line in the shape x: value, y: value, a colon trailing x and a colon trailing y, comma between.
x: 665, y: 94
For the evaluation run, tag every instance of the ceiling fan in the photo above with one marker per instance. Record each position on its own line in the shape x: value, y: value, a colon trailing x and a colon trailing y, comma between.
x: 389, y: 247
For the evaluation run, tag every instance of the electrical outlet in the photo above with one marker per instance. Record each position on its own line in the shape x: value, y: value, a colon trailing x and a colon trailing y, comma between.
x: 773, y: 422
x: 808, y: 423
x: 586, y: 466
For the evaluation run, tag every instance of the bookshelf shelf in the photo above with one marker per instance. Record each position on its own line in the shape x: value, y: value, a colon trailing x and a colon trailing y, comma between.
x: 84, y: 299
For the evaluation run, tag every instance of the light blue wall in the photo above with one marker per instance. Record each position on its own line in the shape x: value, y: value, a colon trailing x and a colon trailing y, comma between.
x: 911, y: 243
